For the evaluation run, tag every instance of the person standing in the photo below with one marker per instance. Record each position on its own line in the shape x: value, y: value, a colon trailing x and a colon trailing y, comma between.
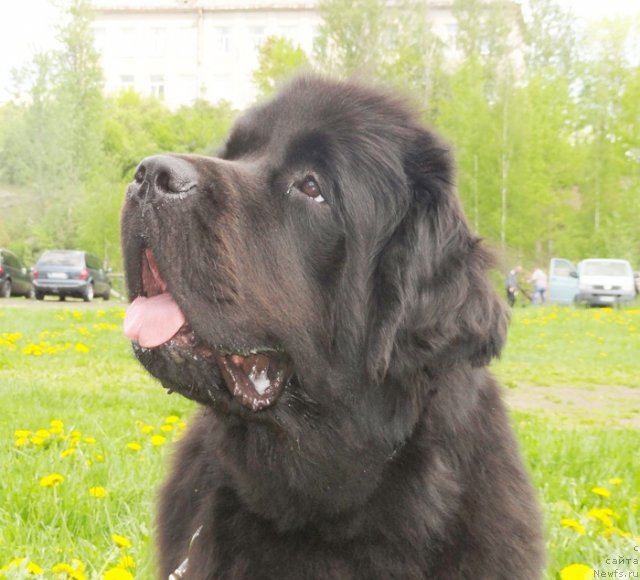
x: 512, y: 285
x: 539, y: 281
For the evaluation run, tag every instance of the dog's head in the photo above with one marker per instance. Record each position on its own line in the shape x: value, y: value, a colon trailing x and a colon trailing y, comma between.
x: 309, y: 273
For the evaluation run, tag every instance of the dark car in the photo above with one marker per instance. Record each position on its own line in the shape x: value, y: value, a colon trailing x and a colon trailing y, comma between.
x: 71, y: 273
x: 15, y: 277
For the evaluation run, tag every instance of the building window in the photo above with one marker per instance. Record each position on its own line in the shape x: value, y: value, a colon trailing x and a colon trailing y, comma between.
x: 185, y: 43
x: 100, y: 39
x: 156, y: 86
x: 257, y: 36
x: 289, y: 32
x: 127, y: 42
x: 127, y: 82
x: 452, y: 33
x: 157, y: 41
x: 222, y: 40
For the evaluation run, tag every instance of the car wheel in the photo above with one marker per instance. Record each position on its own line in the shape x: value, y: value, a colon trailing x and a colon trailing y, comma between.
x: 5, y: 289
x: 106, y: 295
x: 62, y: 297
x: 87, y: 294
x: 39, y: 295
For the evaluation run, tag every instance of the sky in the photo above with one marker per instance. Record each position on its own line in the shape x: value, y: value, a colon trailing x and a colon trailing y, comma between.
x: 27, y: 26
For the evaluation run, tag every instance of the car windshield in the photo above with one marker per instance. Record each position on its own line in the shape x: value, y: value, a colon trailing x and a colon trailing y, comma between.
x: 605, y: 269
x: 61, y: 259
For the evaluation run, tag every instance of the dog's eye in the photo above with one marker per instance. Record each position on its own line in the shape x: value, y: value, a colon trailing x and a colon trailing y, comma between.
x: 309, y: 186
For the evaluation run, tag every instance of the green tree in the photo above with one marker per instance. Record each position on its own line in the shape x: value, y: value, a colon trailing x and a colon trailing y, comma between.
x: 352, y: 36
x: 78, y: 87
x: 278, y: 59
x: 608, y: 136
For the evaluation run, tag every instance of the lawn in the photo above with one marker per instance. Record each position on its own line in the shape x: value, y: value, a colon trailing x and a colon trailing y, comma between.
x: 85, y: 437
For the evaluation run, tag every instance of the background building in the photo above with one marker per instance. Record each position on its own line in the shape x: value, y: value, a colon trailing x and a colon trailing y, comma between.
x: 180, y: 50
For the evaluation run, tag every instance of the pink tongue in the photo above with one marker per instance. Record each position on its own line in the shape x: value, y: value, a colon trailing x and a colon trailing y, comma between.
x: 153, y: 321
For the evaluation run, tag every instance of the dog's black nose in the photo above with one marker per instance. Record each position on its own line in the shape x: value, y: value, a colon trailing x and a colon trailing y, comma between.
x: 166, y: 174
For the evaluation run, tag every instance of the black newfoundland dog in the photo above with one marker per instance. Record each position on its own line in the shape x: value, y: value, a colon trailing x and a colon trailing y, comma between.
x: 317, y: 290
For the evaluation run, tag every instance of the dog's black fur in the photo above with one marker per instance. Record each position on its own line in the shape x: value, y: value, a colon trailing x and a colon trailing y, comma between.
x: 388, y: 453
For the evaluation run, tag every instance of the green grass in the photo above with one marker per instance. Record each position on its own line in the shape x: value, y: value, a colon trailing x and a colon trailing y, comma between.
x: 565, y: 346
x: 72, y: 364
x: 103, y: 394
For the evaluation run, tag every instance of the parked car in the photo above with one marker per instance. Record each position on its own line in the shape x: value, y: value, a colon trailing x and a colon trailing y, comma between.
x: 596, y: 282
x: 71, y: 273
x: 15, y: 277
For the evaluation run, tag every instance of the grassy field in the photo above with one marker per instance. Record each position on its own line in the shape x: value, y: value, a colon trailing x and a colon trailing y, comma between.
x: 85, y: 437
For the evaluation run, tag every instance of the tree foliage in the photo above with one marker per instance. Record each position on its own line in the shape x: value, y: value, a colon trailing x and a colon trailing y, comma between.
x: 67, y: 151
x: 278, y: 59
x: 542, y: 115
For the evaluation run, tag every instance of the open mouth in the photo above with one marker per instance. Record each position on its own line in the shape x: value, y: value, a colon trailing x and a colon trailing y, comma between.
x: 254, y: 377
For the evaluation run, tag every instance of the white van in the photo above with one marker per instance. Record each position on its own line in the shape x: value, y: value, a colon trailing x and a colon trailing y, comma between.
x: 596, y: 282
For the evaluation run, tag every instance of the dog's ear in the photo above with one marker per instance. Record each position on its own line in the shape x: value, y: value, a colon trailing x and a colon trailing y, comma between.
x: 432, y: 304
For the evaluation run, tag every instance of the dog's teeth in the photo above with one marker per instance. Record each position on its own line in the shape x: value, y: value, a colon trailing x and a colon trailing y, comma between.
x: 260, y: 382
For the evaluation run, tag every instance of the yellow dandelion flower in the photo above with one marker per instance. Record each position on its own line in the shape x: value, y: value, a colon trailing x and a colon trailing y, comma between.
x: 615, y: 481
x: 126, y: 562
x: 98, y: 491
x: 182, y: 424
x: 75, y: 434
x: 105, y: 326
x: 576, y: 572
x: 22, y: 441
x: 90, y: 440
x: 147, y: 428
x: 99, y: 458
x: 171, y: 419
x: 77, y: 564
x: 52, y: 480
x: 43, y: 433
x: 100, y: 313
x: 22, y: 433
x: 13, y: 564
x: 33, y: 568
x: 134, y: 446
x: 117, y: 574
x: 602, y: 491
x: 37, y: 440
x: 56, y: 426
x: 166, y: 428
x: 76, y: 314
x: 604, y: 515
x: 80, y: 347
x: 572, y: 524
x: 32, y: 349
x: 68, y: 452
x: 158, y: 440
x: 74, y: 571
x: 613, y: 531
x: 121, y: 541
